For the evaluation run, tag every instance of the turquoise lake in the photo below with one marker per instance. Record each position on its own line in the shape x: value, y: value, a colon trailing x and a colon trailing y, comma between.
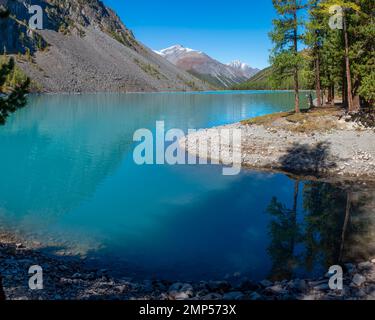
x: 69, y: 181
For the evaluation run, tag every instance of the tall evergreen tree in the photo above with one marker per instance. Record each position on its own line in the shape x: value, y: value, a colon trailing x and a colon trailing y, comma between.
x: 362, y: 33
x: 339, y: 58
x: 348, y: 7
x: 286, y: 37
x: 332, y: 56
x: 314, y: 39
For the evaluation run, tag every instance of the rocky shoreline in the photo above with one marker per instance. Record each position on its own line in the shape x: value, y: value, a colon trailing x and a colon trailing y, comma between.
x: 342, y: 149
x: 71, y: 279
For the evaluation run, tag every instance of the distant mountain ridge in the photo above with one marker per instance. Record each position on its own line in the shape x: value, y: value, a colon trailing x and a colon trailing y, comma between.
x: 244, y: 68
x: 206, y: 68
x: 85, y: 47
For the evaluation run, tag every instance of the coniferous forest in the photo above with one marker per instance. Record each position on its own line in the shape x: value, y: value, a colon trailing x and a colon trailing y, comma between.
x: 322, y: 45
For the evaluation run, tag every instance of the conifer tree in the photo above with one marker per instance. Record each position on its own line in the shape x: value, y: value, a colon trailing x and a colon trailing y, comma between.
x: 286, y: 37
x: 362, y: 33
x: 314, y: 39
x: 348, y: 7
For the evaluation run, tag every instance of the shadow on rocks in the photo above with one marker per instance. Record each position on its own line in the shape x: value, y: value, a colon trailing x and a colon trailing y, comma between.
x: 302, y: 158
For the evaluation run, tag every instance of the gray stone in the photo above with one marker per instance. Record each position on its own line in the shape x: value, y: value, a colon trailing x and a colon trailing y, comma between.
x: 266, y: 283
x: 360, y: 294
x: 179, y: 296
x: 180, y: 291
x: 212, y: 296
x: 371, y: 290
x: 365, y: 266
x: 309, y: 297
x: 358, y: 280
x: 277, y: 289
x: 317, y: 282
x: 322, y: 287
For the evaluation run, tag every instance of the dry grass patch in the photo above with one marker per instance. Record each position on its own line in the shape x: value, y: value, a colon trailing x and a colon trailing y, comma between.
x: 266, y: 120
x: 316, y: 119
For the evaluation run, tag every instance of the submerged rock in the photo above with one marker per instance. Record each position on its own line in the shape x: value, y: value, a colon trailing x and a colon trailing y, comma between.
x: 277, y: 289
x: 180, y: 291
x: 266, y: 283
x: 358, y: 280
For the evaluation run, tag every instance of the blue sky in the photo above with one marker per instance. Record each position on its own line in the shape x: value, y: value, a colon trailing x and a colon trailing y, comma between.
x: 225, y: 30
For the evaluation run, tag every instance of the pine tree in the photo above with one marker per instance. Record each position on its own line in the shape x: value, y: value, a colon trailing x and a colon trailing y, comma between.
x: 362, y: 32
x: 286, y: 37
x: 314, y: 39
x: 348, y: 8
x: 332, y: 56
x: 13, y: 97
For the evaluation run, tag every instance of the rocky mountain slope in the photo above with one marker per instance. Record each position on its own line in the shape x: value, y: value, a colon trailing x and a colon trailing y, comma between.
x: 206, y: 68
x: 84, y: 47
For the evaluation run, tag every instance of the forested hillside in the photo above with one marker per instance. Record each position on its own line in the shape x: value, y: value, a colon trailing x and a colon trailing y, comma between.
x: 264, y: 81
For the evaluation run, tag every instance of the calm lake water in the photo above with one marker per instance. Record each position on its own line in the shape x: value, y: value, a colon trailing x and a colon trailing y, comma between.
x: 68, y: 180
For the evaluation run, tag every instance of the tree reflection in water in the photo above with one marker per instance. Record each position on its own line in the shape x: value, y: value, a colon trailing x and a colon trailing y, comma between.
x: 334, y: 225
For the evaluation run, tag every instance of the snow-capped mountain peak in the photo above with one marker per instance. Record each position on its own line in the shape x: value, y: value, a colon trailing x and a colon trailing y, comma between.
x: 238, y: 65
x: 245, y: 68
x: 201, y: 65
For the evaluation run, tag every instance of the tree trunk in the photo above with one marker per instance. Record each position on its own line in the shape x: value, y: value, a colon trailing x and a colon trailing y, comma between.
x: 344, y: 88
x: 317, y: 80
x: 296, y: 80
x: 296, y: 92
x: 295, y: 196
x: 356, y: 103
x: 332, y: 93
x: 351, y: 107
x: 2, y: 294
x: 346, y: 223
x: 329, y: 98
x: 294, y: 214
